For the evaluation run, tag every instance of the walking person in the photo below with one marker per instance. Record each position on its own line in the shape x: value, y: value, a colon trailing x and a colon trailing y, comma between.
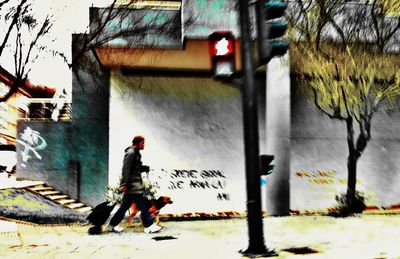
x: 133, y: 186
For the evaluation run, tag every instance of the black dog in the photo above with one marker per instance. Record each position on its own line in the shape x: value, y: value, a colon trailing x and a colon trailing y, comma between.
x: 99, y: 216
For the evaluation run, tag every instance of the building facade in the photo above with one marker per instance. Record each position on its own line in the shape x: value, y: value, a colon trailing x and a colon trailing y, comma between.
x: 164, y: 89
x: 15, y: 108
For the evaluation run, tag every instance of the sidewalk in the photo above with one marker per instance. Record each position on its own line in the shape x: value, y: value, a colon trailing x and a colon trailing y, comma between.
x: 369, y: 236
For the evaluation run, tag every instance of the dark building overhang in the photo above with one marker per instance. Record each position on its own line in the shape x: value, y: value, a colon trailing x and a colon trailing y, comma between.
x: 28, y: 89
x: 194, y: 56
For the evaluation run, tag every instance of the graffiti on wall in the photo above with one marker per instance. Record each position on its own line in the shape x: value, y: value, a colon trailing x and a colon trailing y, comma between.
x: 321, y: 177
x: 32, y: 143
x: 327, y: 184
x: 194, y: 180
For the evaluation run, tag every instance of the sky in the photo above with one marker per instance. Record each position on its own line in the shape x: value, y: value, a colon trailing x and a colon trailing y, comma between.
x: 70, y: 16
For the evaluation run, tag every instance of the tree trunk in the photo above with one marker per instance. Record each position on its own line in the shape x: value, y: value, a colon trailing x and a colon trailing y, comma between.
x: 351, y: 166
x: 351, y: 181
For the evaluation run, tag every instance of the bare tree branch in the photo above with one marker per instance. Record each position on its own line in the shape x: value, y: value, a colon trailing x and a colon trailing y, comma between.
x: 21, y: 44
x: 14, y: 21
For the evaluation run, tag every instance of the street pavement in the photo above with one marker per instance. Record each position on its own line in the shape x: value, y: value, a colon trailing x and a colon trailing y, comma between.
x: 367, y: 236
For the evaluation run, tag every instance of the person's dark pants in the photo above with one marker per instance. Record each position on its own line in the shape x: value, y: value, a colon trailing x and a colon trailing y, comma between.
x: 141, y: 202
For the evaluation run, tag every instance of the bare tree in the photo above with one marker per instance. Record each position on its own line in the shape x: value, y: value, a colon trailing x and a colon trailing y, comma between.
x: 22, y: 37
x: 340, y: 56
x: 116, y: 22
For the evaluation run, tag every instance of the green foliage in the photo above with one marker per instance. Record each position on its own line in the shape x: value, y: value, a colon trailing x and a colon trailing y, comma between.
x: 389, y: 7
x: 114, y: 194
x: 24, y: 205
x: 342, y: 207
x: 11, y: 199
x: 346, y: 76
x: 354, y: 81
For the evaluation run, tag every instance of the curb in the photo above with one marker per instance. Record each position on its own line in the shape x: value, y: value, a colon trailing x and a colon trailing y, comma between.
x: 374, y: 211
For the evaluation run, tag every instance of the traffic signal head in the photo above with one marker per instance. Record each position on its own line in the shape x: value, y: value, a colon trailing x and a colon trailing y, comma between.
x: 276, y: 29
x: 265, y: 164
x: 274, y: 9
x: 222, y: 53
x: 271, y: 26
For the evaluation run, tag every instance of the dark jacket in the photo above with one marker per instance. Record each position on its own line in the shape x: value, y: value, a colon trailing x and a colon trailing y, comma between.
x: 131, y: 171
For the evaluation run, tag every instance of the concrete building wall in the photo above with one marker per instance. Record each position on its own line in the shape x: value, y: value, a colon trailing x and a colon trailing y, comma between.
x: 75, y: 158
x: 278, y: 136
x: 203, y: 17
x: 194, y: 139
x: 90, y: 112
x: 42, y: 153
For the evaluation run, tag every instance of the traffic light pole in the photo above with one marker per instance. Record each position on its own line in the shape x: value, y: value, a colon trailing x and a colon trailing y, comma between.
x: 251, y: 139
x: 261, y: 33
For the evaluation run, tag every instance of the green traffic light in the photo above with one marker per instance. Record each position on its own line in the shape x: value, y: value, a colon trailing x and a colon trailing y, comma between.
x: 280, y: 44
x: 279, y: 48
x: 271, y: 25
x: 274, y: 4
x: 274, y: 9
x: 277, y: 29
x: 265, y: 164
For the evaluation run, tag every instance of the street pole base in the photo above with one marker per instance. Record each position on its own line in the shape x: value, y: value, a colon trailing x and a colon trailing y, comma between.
x: 255, y: 253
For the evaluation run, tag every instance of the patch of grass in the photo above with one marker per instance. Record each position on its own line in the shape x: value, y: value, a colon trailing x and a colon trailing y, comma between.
x: 343, y: 209
x: 23, y: 205
x: 21, y: 201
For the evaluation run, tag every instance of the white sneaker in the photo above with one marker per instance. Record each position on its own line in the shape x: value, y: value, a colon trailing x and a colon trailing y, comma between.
x: 152, y: 229
x: 115, y: 229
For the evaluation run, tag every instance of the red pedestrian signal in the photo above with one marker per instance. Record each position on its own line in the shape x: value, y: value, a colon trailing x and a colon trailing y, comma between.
x: 222, y: 53
x: 222, y: 47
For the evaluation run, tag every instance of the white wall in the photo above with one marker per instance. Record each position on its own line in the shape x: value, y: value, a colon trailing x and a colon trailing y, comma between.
x: 278, y: 136
x: 190, y: 123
